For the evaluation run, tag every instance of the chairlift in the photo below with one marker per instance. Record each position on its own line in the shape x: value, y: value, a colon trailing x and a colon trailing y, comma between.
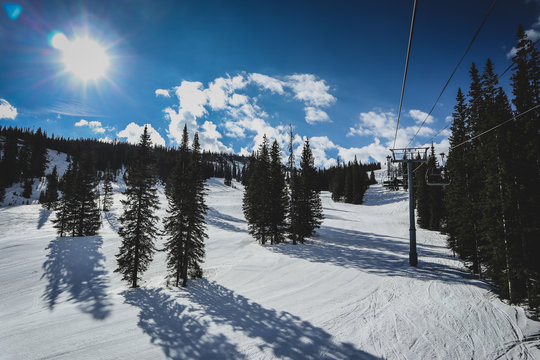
x: 438, y: 176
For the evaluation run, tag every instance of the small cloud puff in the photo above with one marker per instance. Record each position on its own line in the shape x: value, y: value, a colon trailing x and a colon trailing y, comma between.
x: 162, y: 92
x: 7, y: 111
x: 95, y: 126
x: 133, y: 133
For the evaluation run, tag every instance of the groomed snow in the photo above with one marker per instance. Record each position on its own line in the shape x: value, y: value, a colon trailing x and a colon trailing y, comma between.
x: 347, y: 294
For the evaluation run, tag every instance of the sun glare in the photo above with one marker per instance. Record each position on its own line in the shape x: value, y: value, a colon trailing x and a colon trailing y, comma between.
x: 83, y: 57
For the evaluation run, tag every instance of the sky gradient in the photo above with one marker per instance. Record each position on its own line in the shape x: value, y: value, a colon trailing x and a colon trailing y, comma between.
x: 235, y: 70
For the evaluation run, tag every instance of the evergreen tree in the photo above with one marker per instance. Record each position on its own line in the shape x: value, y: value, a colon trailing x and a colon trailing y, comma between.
x: 87, y: 215
x: 257, y: 194
x: 177, y: 190
x: 196, y: 227
x: 38, y: 158
x: 10, y: 166
x: 526, y: 166
x: 51, y: 193
x: 228, y: 175
x: 107, y: 191
x: 27, y: 188
x: 372, y: 180
x: 66, y: 206
x: 138, y: 228
x: 279, y: 197
x: 459, y: 227
x: 306, y: 208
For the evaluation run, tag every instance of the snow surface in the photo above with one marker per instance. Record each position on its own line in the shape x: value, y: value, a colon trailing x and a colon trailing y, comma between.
x: 347, y: 294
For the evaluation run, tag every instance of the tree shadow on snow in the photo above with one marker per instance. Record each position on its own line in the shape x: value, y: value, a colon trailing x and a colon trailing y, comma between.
x: 376, y: 254
x: 223, y: 221
x: 112, y: 220
x: 171, y: 326
x: 43, y: 217
x: 75, y: 265
x: 287, y: 336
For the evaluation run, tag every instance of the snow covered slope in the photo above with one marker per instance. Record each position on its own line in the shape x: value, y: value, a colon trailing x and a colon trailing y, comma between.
x: 348, y: 294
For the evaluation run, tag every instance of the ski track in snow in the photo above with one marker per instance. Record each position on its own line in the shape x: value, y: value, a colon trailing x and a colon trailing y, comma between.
x: 348, y: 293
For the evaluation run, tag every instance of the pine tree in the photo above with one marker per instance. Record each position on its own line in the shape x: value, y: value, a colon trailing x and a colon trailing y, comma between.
x: 87, y: 215
x: 27, y: 188
x: 257, y: 194
x: 38, y: 158
x: 51, y: 193
x: 473, y: 163
x: 526, y: 164
x: 196, y: 227
x: 66, y: 206
x: 138, y: 228
x: 372, y: 180
x: 177, y: 190
x: 107, y: 191
x: 457, y: 190
x: 306, y: 208
x: 10, y: 166
x: 228, y: 175
x: 279, y: 197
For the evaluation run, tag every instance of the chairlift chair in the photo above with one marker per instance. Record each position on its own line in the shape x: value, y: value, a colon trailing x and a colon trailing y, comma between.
x: 438, y: 176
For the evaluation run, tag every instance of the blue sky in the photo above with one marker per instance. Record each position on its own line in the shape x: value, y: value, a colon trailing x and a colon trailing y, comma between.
x: 235, y: 70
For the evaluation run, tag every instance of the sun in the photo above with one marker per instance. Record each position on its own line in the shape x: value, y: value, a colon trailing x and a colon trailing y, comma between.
x: 83, y: 57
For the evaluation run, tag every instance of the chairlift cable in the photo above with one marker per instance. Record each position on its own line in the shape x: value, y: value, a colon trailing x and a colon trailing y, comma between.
x: 453, y: 72
x: 513, y: 118
x: 497, y: 78
x: 406, y: 68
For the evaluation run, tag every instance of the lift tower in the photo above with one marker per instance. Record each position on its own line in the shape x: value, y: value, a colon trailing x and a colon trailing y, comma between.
x: 411, y: 156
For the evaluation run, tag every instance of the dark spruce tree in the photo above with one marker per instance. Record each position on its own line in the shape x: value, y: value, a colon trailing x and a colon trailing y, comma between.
x: 227, y: 175
x: 138, y: 222
x: 66, y: 206
x: 107, y: 190
x: 257, y: 194
x: 526, y: 165
x: 194, y: 250
x: 305, y: 204
x: 87, y: 214
x: 185, y: 225
x: 278, y: 196
x: 51, y: 193
x: 176, y: 190
x: 460, y: 229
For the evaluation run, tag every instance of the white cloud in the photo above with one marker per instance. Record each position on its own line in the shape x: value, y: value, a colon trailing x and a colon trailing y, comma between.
x: 419, y: 116
x: 383, y: 125
x: 314, y: 115
x: 308, y: 89
x: 319, y: 145
x: 163, y: 92
x: 209, y: 136
x: 243, y: 117
x: 7, y: 111
x: 532, y: 35
x: 95, y: 126
x: 267, y: 82
x: 192, y: 97
x: 133, y: 133
x: 238, y: 99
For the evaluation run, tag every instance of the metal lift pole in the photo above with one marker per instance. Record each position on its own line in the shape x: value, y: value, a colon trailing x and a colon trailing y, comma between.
x: 407, y: 155
x: 413, y: 256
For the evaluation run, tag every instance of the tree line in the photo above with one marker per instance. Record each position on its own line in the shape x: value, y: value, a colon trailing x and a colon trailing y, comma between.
x: 24, y: 157
x: 491, y: 207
